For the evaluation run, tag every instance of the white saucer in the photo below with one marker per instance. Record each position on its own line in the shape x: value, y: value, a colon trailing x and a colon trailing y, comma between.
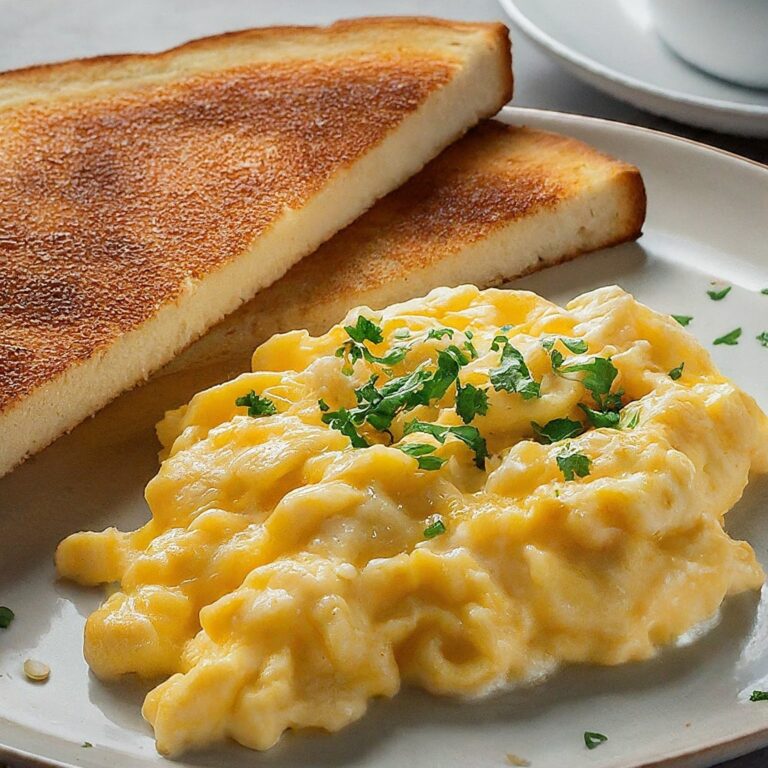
x: 612, y: 45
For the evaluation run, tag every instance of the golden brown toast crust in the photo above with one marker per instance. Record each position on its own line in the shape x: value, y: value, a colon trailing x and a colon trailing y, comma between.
x: 496, y: 174
x: 50, y: 77
x: 110, y: 204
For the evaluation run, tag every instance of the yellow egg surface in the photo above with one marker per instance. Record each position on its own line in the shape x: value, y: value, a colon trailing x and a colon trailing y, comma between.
x: 528, y: 485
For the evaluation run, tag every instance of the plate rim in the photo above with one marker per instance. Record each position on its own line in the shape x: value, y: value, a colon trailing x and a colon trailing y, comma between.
x: 584, y: 62
x: 618, y: 125
x: 739, y: 744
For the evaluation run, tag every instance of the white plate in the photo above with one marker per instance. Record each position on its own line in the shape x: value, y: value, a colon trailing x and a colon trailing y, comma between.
x: 706, y: 220
x: 612, y: 45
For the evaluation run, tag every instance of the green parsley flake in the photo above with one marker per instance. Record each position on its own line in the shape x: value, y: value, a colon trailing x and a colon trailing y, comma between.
x: 676, y: 373
x: 343, y: 421
x: 763, y: 338
x: 365, y: 330
x: 731, y: 338
x: 601, y: 419
x: 6, y: 617
x: 684, y: 320
x: 573, y: 464
x: 764, y: 291
x: 577, y: 346
x: 435, y: 528
x: 512, y: 375
x: 592, y: 739
x: 470, y: 402
x: 379, y: 406
x: 469, y: 346
x: 420, y: 452
x: 557, y: 429
x: 759, y: 696
x: 438, y: 333
x: 86, y: 745
x: 355, y: 349
x: 449, y: 361
x: 599, y: 375
x: 718, y: 295
x: 256, y: 405
x: 468, y: 435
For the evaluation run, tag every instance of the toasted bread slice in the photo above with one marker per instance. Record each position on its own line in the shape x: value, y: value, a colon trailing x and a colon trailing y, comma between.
x: 500, y: 203
x: 145, y: 197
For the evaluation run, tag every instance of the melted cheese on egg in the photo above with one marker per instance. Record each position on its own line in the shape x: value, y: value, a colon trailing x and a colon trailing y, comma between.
x: 284, y: 577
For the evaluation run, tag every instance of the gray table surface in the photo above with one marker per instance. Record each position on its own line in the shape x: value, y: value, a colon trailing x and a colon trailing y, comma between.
x: 35, y: 31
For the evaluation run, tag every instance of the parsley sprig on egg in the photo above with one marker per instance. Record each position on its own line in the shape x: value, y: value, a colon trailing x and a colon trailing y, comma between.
x: 256, y: 405
x: 379, y: 404
x: 597, y: 376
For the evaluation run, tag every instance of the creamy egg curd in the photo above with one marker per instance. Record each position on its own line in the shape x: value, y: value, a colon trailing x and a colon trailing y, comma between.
x: 459, y: 492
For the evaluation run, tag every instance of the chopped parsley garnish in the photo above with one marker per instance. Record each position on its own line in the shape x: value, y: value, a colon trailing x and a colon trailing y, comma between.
x: 573, y: 464
x: 365, y: 330
x: 469, y: 346
x: 355, y: 349
x: 6, y: 617
x: 731, y: 338
x: 343, y: 421
x: 468, y: 435
x: 684, y: 320
x: 763, y: 338
x: 449, y: 361
x: 86, y: 745
x: 764, y: 291
x: 557, y: 429
x: 420, y: 452
x: 435, y: 528
x: 759, y: 696
x: 577, y: 346
x: 592, y: 739
x: 323, y: 406
x: 470, y: 401
x: 676, y: 373
x: 601, y: 419
x: 512, y: 375
x: 438, y: 333
x: 599, y: 374
x: 717, y: 295
x: 256, y: 405
x: 379, y: 406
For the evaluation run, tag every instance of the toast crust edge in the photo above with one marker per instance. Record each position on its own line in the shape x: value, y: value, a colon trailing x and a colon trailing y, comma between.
x: 498, y: 35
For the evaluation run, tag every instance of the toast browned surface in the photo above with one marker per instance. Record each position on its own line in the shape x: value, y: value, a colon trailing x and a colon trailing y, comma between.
x: 499, y: 203
x: 146, y: 196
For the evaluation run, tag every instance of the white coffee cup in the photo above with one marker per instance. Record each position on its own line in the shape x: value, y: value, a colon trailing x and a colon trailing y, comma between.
x: 726, y: 38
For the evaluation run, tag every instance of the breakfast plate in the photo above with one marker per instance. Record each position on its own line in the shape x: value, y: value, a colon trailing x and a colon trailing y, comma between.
x: 612, y: 45
x: 688, y: 707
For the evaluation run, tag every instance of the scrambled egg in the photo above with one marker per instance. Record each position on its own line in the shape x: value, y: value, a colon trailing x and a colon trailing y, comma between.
x: 286, y: 576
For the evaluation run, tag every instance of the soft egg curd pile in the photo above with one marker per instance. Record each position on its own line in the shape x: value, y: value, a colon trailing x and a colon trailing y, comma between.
x: 322, y: 532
